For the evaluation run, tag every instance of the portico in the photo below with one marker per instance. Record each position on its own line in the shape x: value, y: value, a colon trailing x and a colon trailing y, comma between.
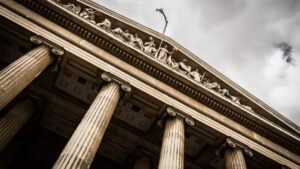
x: 108, y: 96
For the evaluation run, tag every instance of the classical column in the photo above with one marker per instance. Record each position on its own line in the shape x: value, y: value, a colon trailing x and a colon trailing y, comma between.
x: 142, y: 159
x: 234, y: 154
x: 172, y: 150
x: 84, y: 143
x: 142, y: 162
x: 13, y: 121
x: 15, y: 77
x: 234, y: 159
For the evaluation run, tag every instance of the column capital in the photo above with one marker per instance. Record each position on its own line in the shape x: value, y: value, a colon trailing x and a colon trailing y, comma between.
x: 174, y: 112
x: 231, y: 143
x: 108, y: 77
x: 55, y: 49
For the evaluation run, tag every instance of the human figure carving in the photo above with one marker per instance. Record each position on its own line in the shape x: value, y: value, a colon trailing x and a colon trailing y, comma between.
x: 119, y: 33
x: 235, y: 100
x: 73, y: 8
x: 196, y: 75
x: 172, y: 62
x: 149, y: 47
x: 129, y: 37
x: 88, y: 14
x: 162, y: 53
x: 106, y: 25
x: 214, y: 85
x: 124, y: 35
x: 138, y: 42
x: 248, y: 108
x: 184, y: 68
x: 225, y: 92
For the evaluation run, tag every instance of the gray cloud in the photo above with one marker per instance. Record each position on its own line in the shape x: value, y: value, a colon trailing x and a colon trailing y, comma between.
x: 286, y: 51
x: 237, y: 38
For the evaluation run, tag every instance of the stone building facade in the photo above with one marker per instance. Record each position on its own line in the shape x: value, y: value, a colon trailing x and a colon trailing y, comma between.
x: 84, y: 87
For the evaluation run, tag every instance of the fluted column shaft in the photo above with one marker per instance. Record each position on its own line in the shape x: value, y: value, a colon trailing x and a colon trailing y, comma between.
x: 172, y: 151
x: 13, y: 121
x: 84, y: 143
x: 142, y: 163
x: 234, y: 159
x: 15, y: 77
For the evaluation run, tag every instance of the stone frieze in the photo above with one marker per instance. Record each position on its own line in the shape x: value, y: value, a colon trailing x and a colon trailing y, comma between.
x: 161, y: 53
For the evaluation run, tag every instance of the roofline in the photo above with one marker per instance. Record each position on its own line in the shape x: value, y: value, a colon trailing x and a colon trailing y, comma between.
x: 192, y: 56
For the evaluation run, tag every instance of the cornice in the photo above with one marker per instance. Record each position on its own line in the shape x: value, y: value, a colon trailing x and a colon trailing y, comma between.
x: 95, y: 35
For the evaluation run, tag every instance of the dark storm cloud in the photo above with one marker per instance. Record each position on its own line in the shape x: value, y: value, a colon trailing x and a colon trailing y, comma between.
x: 286, y: 51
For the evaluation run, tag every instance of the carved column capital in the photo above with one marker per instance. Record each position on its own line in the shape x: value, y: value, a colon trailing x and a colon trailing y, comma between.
x: 55, y: 49
x: 108, y: 77
x: 174, y: 112
x: 231, y: 143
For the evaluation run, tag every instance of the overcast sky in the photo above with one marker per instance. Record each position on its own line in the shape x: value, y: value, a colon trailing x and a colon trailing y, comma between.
x: 240, y: 38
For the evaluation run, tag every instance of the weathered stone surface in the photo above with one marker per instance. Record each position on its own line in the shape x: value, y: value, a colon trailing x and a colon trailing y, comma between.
x: 172, y: 150
x: 14, y: 120
x: 234, y: 159
x: 19, y: 74
x: 84, y: 143
x: 142, y: 163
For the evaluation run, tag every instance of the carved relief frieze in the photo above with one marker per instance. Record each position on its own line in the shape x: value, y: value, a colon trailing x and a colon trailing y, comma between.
x: 161, y: 53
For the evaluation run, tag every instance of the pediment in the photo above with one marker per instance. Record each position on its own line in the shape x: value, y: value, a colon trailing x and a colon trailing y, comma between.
x: 206, y: 77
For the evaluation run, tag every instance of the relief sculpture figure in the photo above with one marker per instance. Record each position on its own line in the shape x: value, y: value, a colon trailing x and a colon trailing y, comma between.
x: 214, y: 85
x: 162, y: 53
x: 196, y: 76
x: 106, y: 25
x: 138, y: 42
x: 88, y: 14
x: 73, y: 8
x: 124, y: 35
x: 129, y: 37
x: 248, y: 108
x: 235, y: 100
x: 149, y: 47
x: 225, y: 92
x: 172, y: 63
x: 119, y: 33
x: 184, y: 68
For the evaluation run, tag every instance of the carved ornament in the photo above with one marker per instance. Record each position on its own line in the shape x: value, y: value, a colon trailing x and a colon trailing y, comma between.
x: 173, y: 112
x: 231, y: 143
x: 108, y: 77
x: 161, y: 53
x: 55, y: 49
